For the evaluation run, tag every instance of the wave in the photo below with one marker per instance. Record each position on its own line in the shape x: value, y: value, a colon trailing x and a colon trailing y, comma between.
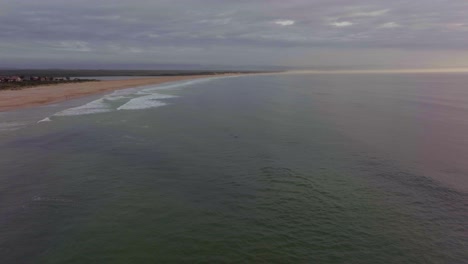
x: 47, y: 119
x: 137, y: 98
x: 94, y: 107
x: 10, y: 126
x: 179, y: 84
x: 145, y: 102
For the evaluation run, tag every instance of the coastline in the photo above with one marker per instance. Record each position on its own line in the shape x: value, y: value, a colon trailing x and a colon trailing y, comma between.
x: 48, y: 94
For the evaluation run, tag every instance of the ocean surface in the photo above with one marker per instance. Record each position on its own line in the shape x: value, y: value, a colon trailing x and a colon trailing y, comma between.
x: 292, y: 168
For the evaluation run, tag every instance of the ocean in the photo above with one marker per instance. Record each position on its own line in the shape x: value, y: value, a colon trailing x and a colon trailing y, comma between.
x: 285, y: 168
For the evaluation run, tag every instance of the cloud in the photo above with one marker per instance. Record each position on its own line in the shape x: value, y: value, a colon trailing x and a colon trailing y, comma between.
x: 108, y: 17
x: 375, y: 13
x: 390, y: 25
x: 342, y: 24
x: 135, y: 50
x: 457, y: 26
x: 217, y: 21
x: 285, y: 22
x: 217, y: 31
x: 80, y: 46
x: 152, y: 35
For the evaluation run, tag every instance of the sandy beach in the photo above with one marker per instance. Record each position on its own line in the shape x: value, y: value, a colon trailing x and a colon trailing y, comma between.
x: 42, y: 95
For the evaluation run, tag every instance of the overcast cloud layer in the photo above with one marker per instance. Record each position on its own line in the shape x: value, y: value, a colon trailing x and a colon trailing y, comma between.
x: 343, y: 33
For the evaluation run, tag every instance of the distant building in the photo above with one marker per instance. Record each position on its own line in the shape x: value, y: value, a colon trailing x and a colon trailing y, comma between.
x: 11, y: 79
x: 17, y: 79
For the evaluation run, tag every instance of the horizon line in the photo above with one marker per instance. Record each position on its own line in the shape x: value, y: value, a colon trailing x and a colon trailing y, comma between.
x: 405, y: 70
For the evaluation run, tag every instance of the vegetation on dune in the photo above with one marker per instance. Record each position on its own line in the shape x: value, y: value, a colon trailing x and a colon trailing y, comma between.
x: 73, y: 74
x: 28, y: 84
x: 94, y: 73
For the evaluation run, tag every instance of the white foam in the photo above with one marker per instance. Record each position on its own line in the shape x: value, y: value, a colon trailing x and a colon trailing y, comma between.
x: 145, y: 102
x: 10, y: 126
x: 176, y: 85
x: 47, y: 119
x: 101, y: 105
x: 124, y: 92
x: 97, y: 106
x: 139, y: 104
x: 115, y: 98
x: 138, y: 98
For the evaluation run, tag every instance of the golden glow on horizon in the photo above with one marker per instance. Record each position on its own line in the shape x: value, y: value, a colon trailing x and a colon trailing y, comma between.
x: 440, y: 70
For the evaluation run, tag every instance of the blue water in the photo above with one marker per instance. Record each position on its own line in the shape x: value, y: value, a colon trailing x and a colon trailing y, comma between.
x: 261, y: 169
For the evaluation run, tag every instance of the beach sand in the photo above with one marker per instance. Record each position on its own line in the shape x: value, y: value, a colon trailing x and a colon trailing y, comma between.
x: 42, y: 95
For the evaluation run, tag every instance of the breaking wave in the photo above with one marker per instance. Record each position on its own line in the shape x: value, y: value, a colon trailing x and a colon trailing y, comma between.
x: 98, y: 106
x: 10, y: 126
x: 130, y: 99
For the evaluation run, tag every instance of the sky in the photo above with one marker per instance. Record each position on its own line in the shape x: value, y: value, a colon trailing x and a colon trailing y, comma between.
x: 341, y: 34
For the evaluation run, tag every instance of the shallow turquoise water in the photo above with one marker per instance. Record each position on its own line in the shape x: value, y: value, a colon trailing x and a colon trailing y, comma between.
x: 261, y: 169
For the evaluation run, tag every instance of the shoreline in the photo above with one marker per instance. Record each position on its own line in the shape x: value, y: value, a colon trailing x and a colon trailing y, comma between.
x: 49, y: 94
